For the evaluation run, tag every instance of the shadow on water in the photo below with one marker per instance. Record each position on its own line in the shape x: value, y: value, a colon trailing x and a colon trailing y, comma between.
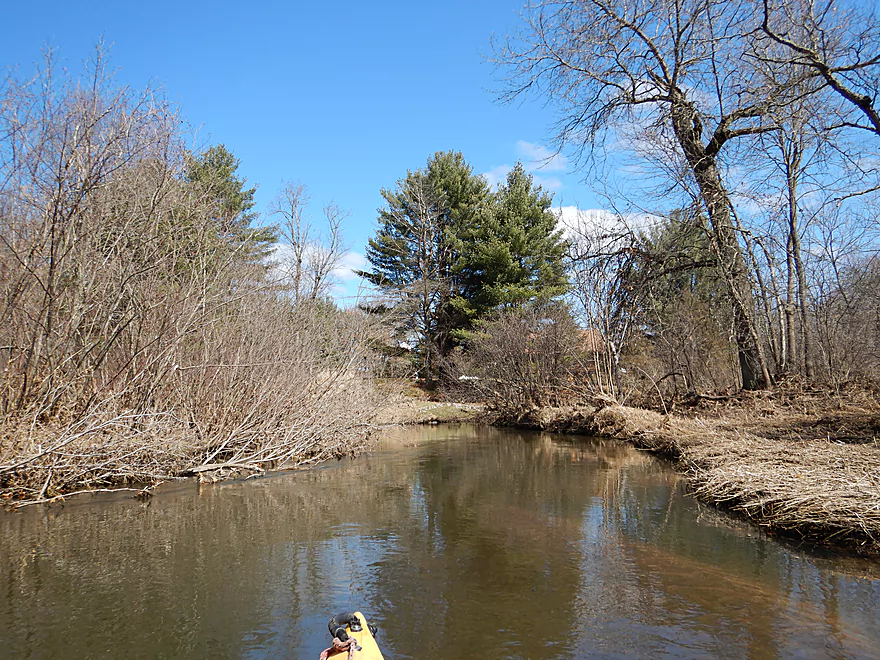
x: 459, y: 541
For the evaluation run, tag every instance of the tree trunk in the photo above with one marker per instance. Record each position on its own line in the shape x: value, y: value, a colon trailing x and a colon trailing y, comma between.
x: 803, y: 295
x: 794, y: 255
x: 789, y: 308
x: 688, y: 131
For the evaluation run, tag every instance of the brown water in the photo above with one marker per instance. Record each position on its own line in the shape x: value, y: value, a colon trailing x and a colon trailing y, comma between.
x: 470, y: 543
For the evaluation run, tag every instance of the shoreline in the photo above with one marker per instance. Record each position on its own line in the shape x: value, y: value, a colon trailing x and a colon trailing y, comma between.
x: 801, y: 469
x: 803, y: 466
x: 815, y: 490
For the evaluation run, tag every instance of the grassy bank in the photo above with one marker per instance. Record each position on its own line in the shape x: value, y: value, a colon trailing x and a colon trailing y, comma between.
x: 409, y: 405
x: 802, y: 466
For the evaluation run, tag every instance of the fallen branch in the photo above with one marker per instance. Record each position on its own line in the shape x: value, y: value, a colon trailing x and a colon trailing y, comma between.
x: 221, y: 466
x: 58, y: 498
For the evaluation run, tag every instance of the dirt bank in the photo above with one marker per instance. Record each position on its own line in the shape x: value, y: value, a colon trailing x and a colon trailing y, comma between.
x: 404, y: 402
x: 796, y: 469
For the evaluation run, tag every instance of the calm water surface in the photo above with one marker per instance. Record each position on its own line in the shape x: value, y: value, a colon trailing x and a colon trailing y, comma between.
x: 460, y: 542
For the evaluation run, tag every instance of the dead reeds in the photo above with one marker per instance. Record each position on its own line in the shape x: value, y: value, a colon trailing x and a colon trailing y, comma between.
x: 819, y: 490
x: 816, y: 489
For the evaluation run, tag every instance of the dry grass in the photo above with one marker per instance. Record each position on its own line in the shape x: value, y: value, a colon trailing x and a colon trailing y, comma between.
x: 816, y: 488
x: 404, y: 403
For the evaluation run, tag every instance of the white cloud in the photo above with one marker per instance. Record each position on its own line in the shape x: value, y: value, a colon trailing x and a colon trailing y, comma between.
x: 497, y: 175
x: 350, y: 262
x: 600, y: 228
x: 536, y: 160
x: 548, y: 183
x: 537, y: 157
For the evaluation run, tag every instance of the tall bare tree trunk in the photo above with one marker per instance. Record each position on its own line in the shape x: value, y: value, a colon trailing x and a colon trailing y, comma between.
x: 789, y: 311
x: 803, y: 292
x: 701, y: 160
x: 797, y: 296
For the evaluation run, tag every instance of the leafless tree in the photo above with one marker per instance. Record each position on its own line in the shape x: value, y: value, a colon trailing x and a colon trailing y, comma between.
x: 796, y: 150
x: 139, y: 342
x: 600, y: 255
x: 675, y: 68
x: 527, y: 357
x: 307, y: 257
x: 835, y: 41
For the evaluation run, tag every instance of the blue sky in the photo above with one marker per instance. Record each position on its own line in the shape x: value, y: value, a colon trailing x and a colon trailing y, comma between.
x: 344, y: 97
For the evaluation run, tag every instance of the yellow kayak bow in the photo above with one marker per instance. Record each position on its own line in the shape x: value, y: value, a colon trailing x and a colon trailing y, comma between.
x: 352, y: 638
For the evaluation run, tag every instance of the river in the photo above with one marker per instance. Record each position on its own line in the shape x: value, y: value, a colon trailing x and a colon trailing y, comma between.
x: 458, y: 541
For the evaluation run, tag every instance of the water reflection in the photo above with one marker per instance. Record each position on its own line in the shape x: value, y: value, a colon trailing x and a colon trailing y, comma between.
x: 459, y: 541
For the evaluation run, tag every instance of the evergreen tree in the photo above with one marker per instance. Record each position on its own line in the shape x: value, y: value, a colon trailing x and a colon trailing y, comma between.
x: 674, y: 259
x: 413, y: 254
x: 448, y: 251
x: 213, y: 173
x: 515, y: 254
x: 676, y: 294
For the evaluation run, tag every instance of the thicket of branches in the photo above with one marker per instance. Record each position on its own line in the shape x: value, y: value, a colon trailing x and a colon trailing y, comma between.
x: 754, y: 124
x: 524, y: 357
x: 141, y: 336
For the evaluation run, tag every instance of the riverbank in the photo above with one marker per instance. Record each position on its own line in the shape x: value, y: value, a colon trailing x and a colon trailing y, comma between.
x: 805, y: 467
x: 404, y: 404
x: 803, y: 464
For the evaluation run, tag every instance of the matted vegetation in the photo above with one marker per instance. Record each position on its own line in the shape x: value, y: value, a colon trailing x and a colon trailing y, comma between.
x: 142, y: 337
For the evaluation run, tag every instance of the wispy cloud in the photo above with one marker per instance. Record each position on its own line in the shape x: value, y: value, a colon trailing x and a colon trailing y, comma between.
x: 537, y: 157
x: 548, y: 182
x: 538, y: 161
x: 350, y: 262
x: 497, y: 175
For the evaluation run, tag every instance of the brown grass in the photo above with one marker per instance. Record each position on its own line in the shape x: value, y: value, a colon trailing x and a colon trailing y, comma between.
x: 405, y: 403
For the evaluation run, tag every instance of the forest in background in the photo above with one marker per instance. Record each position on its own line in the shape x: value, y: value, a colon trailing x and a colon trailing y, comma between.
x: 751, y: 128
x: 154, y: 327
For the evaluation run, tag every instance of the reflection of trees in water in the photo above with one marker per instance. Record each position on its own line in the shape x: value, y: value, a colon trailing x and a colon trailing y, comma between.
x: 508, y: 575
x: 720, y: 588
x: 513, y: 543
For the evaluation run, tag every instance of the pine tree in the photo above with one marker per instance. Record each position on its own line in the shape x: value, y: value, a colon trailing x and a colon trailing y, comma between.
x: 213, y: 173
x: 515, y: 254
x: 413, y: 255
x: 449, y: 252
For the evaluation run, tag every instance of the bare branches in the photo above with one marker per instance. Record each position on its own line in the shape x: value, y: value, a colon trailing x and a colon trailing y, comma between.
x: 668, y: 67
x: 307, y: 257
x: 839, y: 45
x: 142, y: 338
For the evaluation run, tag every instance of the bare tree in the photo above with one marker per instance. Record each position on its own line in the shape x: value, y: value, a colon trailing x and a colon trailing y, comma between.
x: 834, y: 41
x: 139, y: 340
x: 815, y: 55
x: 796, y: 148
x: 676, y: 69
x: 599, y: 259
x: 307, y: 256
